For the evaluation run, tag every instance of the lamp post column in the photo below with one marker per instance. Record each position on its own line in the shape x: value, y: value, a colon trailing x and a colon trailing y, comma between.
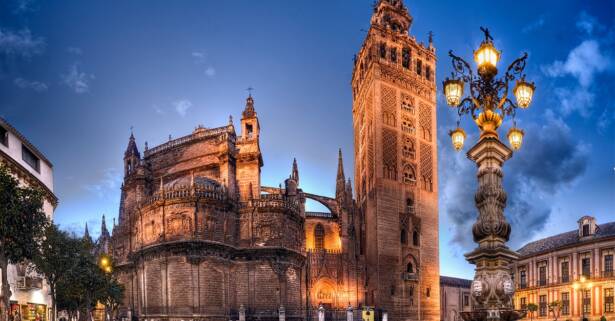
x: 492, y: 288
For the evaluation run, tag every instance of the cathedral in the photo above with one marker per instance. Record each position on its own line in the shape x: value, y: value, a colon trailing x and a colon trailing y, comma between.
x: 199, y: 237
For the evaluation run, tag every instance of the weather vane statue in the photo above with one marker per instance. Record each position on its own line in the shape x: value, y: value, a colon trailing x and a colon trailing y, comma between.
x: 488, y: 104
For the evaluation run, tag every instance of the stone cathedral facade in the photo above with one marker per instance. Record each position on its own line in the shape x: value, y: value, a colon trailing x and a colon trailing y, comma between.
x: 199, y: 236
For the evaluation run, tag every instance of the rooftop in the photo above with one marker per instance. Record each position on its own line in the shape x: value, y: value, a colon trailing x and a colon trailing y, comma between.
x: 6, y: 125
x: 565, y: 239
x: 456, y: 282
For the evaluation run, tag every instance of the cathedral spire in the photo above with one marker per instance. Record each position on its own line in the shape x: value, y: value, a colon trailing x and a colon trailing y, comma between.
x: 103, y: 227
x: 249, y: 111
x: 131, y: 149
x: 295, y: 172
x: 340, y: 185
x: 86, y: 234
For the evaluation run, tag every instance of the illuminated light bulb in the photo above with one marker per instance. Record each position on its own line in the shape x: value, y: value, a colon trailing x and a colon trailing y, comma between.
x: 458, y: 137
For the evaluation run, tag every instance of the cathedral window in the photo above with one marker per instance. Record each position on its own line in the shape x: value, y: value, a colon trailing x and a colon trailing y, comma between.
x: 249, y: 130
x: 404, y: 236
x: 319, y: 237
x: 383, y: 50
x: 427, y: 72
x: 407, y: 125
x: 419, y: 67
x: 415, y: 238
x: 393, y: 54
x: 409, y: 268
x: 407, y: 103
x: 409, y: 174
x: 405, y: 58
x: 408, y: 150
x: 409, y: 205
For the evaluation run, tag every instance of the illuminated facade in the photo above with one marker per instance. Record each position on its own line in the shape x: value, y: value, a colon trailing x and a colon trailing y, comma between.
x: 29, y: 291
x: 574, y: 268
x: 199, y: 236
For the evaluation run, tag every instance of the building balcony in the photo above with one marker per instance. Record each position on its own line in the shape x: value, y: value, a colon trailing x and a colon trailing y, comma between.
x: 408, y: 276
x: 26, y: 283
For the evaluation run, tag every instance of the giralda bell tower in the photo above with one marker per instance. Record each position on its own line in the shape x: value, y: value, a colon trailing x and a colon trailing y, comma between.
x: 396, y: 177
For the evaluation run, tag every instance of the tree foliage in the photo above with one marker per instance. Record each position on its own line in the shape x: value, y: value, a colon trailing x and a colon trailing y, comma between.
x: 55, y: 258
x: 22, y: 224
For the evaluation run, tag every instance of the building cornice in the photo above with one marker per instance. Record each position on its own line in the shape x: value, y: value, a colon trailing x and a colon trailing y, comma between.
x: 32, y: 180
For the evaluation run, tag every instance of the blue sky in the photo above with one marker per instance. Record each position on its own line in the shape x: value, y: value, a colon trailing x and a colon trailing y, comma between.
x: 76, y: 75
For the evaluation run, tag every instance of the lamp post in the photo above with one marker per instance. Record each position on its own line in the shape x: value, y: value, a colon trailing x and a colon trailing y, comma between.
x: 583, y: 285
x: 488, y: 104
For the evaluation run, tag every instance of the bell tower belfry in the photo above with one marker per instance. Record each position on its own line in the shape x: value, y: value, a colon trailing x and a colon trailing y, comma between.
x: 249, y: 157
x: 394, y: 121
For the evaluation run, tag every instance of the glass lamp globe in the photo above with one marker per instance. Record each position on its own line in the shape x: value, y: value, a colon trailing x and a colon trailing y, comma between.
x: 515, y: 138
x: 524, y: 92
x: 458, y: 137
x: 486, y: 55
x: 453, y: 91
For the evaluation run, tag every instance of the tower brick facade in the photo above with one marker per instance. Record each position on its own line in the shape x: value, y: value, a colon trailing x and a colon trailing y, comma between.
x: 394, y: 119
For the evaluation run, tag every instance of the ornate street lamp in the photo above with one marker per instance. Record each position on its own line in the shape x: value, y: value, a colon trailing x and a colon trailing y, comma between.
x: 488, y: 104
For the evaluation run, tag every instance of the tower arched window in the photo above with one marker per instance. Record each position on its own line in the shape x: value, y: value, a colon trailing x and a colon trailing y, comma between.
x: 409, y: 267
x: 409, y: 205
x: 393, y: 54
x: 319, y: 237
x: 405, y: 58
x: 383, y: 50
x: 404, y: 236
x: 419, y: 67
x: 409, y: 174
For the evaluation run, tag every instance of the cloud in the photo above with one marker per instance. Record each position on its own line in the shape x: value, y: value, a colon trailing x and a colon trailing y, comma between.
x: 210, y: 71
x: 550, y: 160
x: 583, y: 62
x: 108, y: 185
x: 199, y: 58
x: 76, y: 79
x: 588, y: 23
x: 74, y: 50
x: 23, y: 6
x: 182, y: 106
x: 537, y: 24
x: 34, y: 85
x: 158, y: 110
x: 20, y: 43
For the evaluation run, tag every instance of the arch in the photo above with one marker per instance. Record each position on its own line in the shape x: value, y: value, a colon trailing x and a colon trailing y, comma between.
x: 409, y: 174
x: 329, y: 203
x: 416, y: 238
x: 411, y: 261
x: 319, y: 237
x: 324, y: 292
x: 410, y: 267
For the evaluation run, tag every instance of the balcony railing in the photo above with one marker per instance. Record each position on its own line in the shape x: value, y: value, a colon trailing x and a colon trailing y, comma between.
x: 407, y: 276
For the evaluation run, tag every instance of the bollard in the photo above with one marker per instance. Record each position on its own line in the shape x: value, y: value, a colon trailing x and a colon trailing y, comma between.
x: 242, y: 313
x: 349, y: 313
x: 282, y: 313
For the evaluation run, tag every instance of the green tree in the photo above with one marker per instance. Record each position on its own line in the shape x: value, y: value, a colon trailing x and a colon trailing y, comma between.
x: 532, y: 307
x: 56, y: 257
x: 112, y: 294
x: 555, y: 308
x: 22, y: 224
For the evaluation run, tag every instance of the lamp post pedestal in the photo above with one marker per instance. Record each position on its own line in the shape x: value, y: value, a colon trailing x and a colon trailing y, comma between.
x: 492, y: 288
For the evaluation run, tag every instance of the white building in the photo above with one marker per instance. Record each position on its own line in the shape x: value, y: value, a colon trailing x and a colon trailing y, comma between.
x: 30, y: 294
